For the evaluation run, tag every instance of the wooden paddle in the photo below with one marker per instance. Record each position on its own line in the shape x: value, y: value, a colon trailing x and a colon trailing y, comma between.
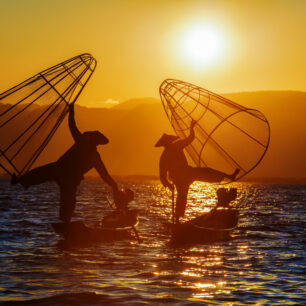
x: 173, y: 212
x: 136, y: 234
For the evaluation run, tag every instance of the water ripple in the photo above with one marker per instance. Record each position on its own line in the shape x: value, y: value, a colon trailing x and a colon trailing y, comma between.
x: 263, y: 263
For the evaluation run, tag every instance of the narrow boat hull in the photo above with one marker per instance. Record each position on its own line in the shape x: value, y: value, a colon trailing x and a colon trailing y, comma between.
x: 210, y: 227
x: 187, y: 233
x: 117, y: 225
x: 77, y: 233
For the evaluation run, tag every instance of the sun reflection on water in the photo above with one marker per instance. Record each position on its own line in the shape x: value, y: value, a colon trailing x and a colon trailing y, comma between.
x: 189, y: 272
x: 209, y: 290
x: 231, y: 272
x: 202, y: 272
x: 201, y: 198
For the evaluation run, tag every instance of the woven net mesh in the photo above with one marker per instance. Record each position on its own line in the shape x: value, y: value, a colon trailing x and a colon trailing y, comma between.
x: 31, y: 112
x: 227, y: 135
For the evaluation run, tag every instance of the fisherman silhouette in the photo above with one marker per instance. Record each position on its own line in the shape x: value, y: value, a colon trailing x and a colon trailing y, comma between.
x: 173, y: 165
x: 69, y: 169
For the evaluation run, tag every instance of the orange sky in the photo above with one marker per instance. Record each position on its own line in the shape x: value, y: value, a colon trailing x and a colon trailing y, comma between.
x: 140, y: 43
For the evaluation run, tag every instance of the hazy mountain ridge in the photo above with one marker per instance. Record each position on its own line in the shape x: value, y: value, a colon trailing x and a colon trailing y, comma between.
x: 131, y: 103
x: 134, y: 127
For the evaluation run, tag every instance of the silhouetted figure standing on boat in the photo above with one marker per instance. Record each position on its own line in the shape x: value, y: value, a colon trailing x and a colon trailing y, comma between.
x: 68, y: 171
x: 173, y: 166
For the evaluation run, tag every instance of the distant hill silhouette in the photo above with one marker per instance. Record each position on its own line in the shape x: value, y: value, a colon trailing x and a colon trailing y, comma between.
x: 134, y: 126
x: 131, y: 103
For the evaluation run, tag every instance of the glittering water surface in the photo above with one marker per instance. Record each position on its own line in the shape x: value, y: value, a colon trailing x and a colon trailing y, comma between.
x: 262, y: 264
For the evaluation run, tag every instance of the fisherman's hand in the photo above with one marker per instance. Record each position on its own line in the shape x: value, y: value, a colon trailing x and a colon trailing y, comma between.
x: 116, y: 194
x: 71, y: 108
x: 192, y: 124
x: 114, y: 187
x: 171, y: 187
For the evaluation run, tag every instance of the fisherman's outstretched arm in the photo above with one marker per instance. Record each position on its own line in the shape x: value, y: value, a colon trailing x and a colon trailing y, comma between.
x: 188, y: 140
x: 100, y: 167
x: 72, y: 125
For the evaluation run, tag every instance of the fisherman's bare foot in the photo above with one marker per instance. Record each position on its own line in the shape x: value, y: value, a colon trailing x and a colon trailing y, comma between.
x: 17, y: 180
x: 14, y: 179
x: 232, y: 177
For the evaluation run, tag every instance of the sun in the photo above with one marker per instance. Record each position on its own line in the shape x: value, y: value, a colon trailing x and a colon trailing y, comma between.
x: 202, y: 45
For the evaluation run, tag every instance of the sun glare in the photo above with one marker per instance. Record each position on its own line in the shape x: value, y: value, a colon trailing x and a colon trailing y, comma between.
x: 202, y: 45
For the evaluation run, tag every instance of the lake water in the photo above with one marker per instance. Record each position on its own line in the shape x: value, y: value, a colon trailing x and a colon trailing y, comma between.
x: 263, y: 263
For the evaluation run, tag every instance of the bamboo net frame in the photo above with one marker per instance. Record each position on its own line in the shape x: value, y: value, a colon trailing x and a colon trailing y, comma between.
x: 227, y: 134
x: 32, y: 111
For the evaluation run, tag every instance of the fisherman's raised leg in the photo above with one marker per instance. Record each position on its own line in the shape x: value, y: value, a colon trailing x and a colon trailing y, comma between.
x: 210, y: 175
x: 36, y: 176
